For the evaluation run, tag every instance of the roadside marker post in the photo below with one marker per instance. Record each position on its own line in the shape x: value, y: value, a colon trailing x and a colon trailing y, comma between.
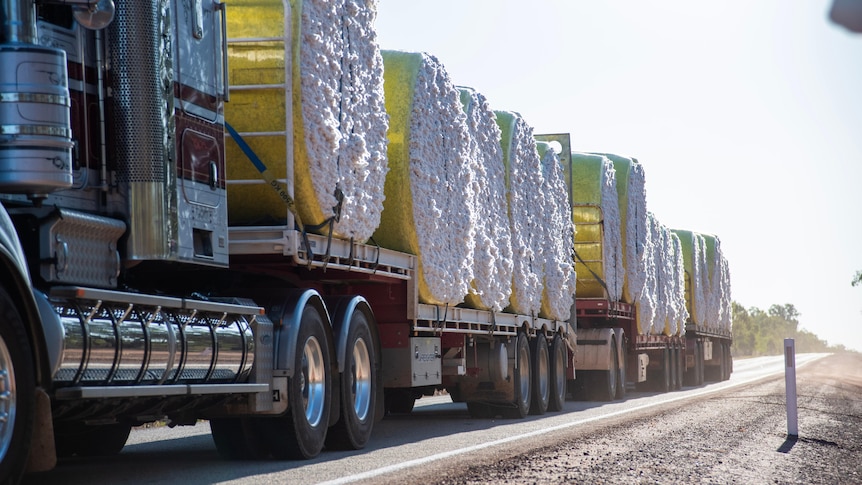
x: 790, y: 386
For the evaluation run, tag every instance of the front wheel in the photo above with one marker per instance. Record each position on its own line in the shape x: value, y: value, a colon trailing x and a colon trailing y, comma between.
x: 17, y: 392
x: 358, y: 389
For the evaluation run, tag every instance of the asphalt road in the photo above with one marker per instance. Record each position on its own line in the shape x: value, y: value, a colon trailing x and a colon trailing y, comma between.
x: 437, y: 431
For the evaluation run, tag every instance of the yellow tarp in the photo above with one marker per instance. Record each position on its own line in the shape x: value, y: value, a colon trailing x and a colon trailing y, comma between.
x: 588, y: 217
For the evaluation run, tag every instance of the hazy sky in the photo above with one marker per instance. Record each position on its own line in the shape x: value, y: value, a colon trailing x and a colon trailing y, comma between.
x: 746, y: 114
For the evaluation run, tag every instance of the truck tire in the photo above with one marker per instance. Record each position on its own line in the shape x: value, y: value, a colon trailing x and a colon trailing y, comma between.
x: 18, y: 382
x: 558, y: 354
x: 674, y: 368
x: 714, y: 373
x: 699, y: 364
x: 728, y: 362
x: 541, y: 375
x: 83, y: 440
x: 301, y: 432
x: 358, y: 389
x: 621, y: 375
x: 665, y: 379
x: 522, y: 372
x: 604, y: 386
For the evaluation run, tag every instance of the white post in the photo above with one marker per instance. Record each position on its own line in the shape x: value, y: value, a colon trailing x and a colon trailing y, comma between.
x: 790, y: 386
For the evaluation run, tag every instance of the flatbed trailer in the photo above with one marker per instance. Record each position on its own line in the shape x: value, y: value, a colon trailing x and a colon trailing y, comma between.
x: 646, y: 362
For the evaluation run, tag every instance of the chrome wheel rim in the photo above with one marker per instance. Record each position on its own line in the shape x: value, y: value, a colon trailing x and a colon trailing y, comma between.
x: 360, y: 372
x: 560, y: 372
x: 524, y: 372
x: 313, y: 381
x: 543, y: 372
x: 7, y: 398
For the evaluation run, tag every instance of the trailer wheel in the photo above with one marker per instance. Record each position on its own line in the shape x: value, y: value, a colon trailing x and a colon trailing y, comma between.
x: 301, y: 432
x: 541, y: 375
x: 621, y: 380
x: 358, y: 389
x: 604, y: 387
x: 664, y: 376
x: 17, y: 385
x: 523, y: 374
x: 558, y: 354
x: 674, y: 368
x: 723, y: 354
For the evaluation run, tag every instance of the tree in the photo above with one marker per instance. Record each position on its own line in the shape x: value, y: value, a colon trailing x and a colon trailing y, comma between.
x: 857, y: 280
x: 758, y: 332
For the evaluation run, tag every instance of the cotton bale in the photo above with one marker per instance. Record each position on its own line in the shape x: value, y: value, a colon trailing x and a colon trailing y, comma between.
x: 696, y: 275
x: 680, y: 313
x: 524, y: 182
x: 559, y: 272
x: 595, y: 214
x: 718, y: 294
x: 492, y: 261
x: 428, y: 209
x: 337, y: 123
x: 631, y: 189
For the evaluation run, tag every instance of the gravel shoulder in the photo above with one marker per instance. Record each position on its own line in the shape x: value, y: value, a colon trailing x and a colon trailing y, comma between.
x: 736, y: 437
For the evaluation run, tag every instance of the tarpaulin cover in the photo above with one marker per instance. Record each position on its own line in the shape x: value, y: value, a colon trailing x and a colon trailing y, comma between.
x: 338, y: 122
x: 428, y: 209
x: 596, y: 217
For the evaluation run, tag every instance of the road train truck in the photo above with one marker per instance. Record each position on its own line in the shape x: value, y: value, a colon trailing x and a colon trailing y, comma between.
x: 246, y: 213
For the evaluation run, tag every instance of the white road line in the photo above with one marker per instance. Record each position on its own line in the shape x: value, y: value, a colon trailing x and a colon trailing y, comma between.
x: 440, y: 456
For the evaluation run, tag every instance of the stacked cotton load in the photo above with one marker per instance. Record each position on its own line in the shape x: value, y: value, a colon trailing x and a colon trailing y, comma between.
x: 525, y: 183
x: 696, y: 274
x: 492, y: 260
x: 428, y: 209
x: 647, y: 301
x: 663, y: 275
x: 338, y: 121
x: 718, y: 309
x: 678, y: 313
x: 560, y: 281
x: 595, y: 213
x: 631, y: 187
x: 663, y: 298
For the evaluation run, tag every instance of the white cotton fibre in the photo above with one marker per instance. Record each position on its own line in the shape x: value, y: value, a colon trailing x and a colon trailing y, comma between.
x: 341, y: 140
x: 525, y: 182
x: 428, y: 209
x: 492, y: 260
x: 556, y: 220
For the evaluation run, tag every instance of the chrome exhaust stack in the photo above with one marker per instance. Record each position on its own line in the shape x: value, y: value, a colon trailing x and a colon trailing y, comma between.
x: 35, y: 127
